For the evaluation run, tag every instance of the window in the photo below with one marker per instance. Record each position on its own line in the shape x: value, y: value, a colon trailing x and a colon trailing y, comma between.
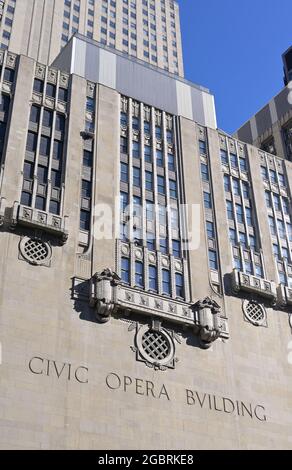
x: 230, y: 213
x: 45, y: 146
x: 224, y: 157
x: 210, y: 230
x: 51, y: 90
x: 252, y: 242
x: 135, y: 123
x: 176, y: 248
x: 159, y: 158
x: 60, y: 123
x: 213, y: 263
x: 248, y: 214
x: 236, y: 187
x: 124, y: 199
x: 276, y: 251
x: 163, y: 246
x: 150, y: 241
x: 149, y: 181
x: 139, y: 275
x: 35, y: 114
x: 147, y: 154
x: 243, y: 164
x: 179, y: 285
x: 147, y: 128
x: 232, y: 236
x: 31, y: 143
x: 281, y: 229
x: 282, y: 180
x: 165, y: 281
x: 136, y: 177
x: 277, y: 202
x: 161, y: 185
x: 207, y: 200
x: 227, y: 185
x: 204, y: 172
x: 245, y: 189
x: 124, y: 145
x: 125, y: 270
x: 268, y: 199
x: 47, y: 118
x: 171, y: 165
x: 136, y: 149
x: 63, y: 94
x: 42, y: 173
x: 40, y: 203
x: 169, y: 136
x: 173, y: 189
x: 38, y: 86
x: 124, y: 119
x: 273, y: 176
x: 124, y: 173
x: 158, y: 132
x: 233, y: 160
x: 243, y: 239
x: 272, y: 225
x: 248, y: 267
x: 86, y: 189
x: 239, y: 213
x: 87, y: 158
x: 153, y: 278
x: 202, y: 147
x: 264, y: 172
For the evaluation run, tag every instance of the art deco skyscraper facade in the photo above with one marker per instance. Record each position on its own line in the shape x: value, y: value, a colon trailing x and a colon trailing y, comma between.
x: 145, y: 29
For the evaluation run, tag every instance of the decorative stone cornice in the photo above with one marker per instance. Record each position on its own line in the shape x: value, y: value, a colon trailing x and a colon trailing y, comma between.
x: 109, y: 295
x: 33, y: 218
x: 246, y: 282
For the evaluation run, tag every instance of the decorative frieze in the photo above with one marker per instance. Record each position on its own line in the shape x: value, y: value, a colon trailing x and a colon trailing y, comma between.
x: 109, y: 295
x: 34, y: 218
x: 246, y: 282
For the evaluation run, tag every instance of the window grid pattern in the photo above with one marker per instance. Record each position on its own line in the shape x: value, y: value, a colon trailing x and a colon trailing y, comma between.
x: 147, y: 29
x: 88, y: 164
x: 44, y: 163
x: 241, y: 214
x: 7, y: 79
x: 150, y: 232
x: 278, y: 203
x: 208, y: 201
x: 7, y: 10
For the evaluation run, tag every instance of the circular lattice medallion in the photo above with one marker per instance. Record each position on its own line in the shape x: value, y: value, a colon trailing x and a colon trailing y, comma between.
x: 155, y: 346
x: 35, y: 251
x: 254, y: 312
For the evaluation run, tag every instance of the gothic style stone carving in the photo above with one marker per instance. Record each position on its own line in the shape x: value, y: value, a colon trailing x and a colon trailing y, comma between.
x: 103, y: 294
x: 207, y: 315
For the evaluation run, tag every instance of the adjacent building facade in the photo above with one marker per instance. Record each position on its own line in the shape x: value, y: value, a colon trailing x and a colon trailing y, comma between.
x: 144, y: 29
x: 271, y: 128
x: 146, y: 270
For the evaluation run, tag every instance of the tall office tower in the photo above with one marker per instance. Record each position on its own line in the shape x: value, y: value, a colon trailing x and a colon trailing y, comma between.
x: 148, y: 30
x: 146, y: 267
x: 271, y: 128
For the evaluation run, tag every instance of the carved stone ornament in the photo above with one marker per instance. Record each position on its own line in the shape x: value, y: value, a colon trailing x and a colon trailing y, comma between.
x: 103, y: 293
x: 208, y: 320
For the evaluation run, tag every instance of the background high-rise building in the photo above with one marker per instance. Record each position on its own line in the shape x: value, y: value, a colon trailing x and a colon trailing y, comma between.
x: 146, y: 29
x: 146, y: 262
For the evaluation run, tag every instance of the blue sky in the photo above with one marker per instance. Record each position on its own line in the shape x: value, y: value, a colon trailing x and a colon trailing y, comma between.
x: 234, y: 47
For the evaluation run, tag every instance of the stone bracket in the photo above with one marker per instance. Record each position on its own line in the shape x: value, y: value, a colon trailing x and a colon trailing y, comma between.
x: 255, y: 285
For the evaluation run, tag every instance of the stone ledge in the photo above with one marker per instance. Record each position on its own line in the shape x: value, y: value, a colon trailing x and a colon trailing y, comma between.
x: 34, y: 218
x: 246, y: 282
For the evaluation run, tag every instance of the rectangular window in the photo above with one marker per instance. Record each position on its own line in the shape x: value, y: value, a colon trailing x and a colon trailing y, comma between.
x: 248, y: 214
x: 202, y: 147
x: 147, y: 154
x: 245, y: 189
x: 179, y: 285
x: 149, y: 181
x: 243, y: 164
x: 136, y: 177
x: 84, y: 220
x: 153, y: 278
x: 207, y: 200
x: 239, y: 214
x: 224, y: 157
x: 171, y: 164
x: 136, y: 149
x: 139, y: 274
x: 204, y: 172
x: 163, y: 246
x: 227, y: 185
x: 124, y: 145
x: 213, y: 263
x: 232, y: 236
x: 233, y: 160
x: 210, y: 230
x: 125, y: 270
x: 124, y: 199
x: 166, y: 281
x: 230, y: 213
x: 173, y: 189
x: 236, y: 187
x: 161, y: 185
x: 124, y: 173
x: 159, y: 158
